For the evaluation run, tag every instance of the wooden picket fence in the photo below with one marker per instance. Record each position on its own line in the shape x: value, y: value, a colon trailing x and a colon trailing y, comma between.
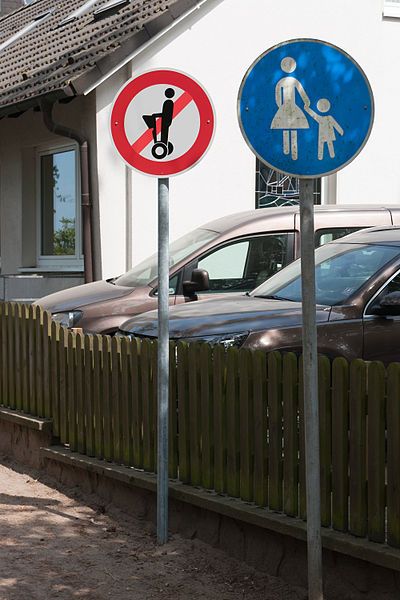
x: 236, y: 418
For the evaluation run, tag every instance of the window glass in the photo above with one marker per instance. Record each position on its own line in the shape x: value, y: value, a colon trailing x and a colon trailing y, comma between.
x: 244, y: 264
x: 392, y: 286
x: 341, y: 269
x: 278, y: 189
x: 58, y: 197
x: 323, y: 236
x: 147, y: 270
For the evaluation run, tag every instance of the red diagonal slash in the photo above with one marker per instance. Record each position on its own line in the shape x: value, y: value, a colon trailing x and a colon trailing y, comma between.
x: 147, y: 136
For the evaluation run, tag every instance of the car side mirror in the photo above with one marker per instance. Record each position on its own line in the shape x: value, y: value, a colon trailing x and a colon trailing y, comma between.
x: 199, y: 282
x: 388, y: 306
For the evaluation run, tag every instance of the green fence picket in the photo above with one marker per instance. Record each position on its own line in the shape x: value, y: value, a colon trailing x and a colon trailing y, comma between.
x: 376, y: 452
x: 290, y: 435
x: 325, y: 437
x: 80, y: 394
x: 194, y: 414
x: 148, y: 407
x: 302, y: 447
x: 97, y: 393
x: 182, y: 351
x: 393, y: 453
x: 246, y: 426
x: 11, y: 355
x: 340, y: 444
x: 137, y: 402
x: 55, y: 376
x: 275, y: 466
x: 18, y: 356
x: 88, y: 395
x: 358, y: 449
x: 172, y: 415
x: 219, y: 389
x: 62, y: 358
x: 24, y: 358
x: 206, y: 417
x: 46, y: 365
x: 116, y: 399
x: 71, y: 395
x: 260, y: 428
x: 106, y: 402
x: 232, y: 424
x: 126, y: 404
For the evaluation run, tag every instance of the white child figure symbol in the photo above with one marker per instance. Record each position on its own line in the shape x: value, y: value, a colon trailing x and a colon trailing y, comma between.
x: 326, y: 127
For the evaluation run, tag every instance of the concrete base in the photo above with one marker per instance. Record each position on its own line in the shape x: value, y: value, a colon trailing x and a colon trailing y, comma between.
x: 22, y: 437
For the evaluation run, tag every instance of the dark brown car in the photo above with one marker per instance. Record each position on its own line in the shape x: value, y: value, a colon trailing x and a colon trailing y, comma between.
x: 358, y: 305
x: 239, y: 252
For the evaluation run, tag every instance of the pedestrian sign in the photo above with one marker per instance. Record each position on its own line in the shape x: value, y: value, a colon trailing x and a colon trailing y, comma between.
x: 162, y: 122
x: 305, y: 108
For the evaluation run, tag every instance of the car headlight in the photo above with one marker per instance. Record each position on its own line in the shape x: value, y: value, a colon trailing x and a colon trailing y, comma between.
x: 232, y: 340
x: 67, y: 319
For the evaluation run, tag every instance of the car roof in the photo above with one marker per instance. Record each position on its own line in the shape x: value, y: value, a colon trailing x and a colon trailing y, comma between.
x: 260, y: 215
x: 389, y: 235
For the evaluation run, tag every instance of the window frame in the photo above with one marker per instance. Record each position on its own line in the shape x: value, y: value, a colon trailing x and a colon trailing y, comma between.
x: 391, y: 9
x: 59, y: 262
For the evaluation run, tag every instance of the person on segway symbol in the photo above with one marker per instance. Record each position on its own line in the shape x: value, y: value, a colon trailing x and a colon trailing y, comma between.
x: 162, y: 146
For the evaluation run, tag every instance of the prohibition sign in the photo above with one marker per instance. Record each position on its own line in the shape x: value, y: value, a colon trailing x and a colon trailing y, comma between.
x: 162, y: 122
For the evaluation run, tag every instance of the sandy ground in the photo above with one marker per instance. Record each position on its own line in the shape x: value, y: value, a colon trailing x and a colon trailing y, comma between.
x: 60, y: 543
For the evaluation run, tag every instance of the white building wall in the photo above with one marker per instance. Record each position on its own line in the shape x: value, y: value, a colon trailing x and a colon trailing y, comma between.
x: 216, y: 45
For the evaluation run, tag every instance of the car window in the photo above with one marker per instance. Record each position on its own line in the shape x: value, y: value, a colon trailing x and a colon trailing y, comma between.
x: 392, y: 286
x: 341, y: 269
x: 244, y: 264
x: 173, y: 284
x: 323, y: 236
x: 147, y: 271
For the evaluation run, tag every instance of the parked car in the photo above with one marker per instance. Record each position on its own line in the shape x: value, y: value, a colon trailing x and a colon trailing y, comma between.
x: 237, y: 252
x: 358, y: 305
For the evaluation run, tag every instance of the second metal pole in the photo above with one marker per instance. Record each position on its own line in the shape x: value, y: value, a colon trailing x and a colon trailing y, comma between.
x: 310, y: 375
x: 163, y: 360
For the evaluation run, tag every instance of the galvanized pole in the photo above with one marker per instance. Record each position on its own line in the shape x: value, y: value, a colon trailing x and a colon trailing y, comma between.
x: 163, y: 360
x: 310, y: 371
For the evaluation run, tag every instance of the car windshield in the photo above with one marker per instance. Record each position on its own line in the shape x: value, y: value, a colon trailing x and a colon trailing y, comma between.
x: 340, y: 270
x: 147, y: 270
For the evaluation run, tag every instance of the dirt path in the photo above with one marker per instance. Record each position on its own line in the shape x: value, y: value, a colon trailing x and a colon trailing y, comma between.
x: 62, y: 544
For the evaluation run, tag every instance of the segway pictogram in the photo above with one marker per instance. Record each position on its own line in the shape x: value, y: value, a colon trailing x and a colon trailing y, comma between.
x: 163, y: 146
x: 168, y: 141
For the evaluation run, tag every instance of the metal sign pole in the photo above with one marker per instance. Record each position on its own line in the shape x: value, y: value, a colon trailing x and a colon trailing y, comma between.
x: 310, y: 371
x: 163, y: 360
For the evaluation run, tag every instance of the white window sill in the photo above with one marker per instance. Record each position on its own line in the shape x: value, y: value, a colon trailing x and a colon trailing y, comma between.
x: 49, y: 269
x: 391, y: 11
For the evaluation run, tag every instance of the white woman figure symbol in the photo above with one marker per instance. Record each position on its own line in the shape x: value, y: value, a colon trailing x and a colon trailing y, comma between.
x: 289, y: 116
x: 327, y: 126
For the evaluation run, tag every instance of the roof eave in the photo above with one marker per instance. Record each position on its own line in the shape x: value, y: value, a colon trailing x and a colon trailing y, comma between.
x: 153, y: 30
x: 12, y: 109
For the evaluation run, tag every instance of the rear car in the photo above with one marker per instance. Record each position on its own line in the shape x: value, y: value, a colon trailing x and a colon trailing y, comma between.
x: 232, y: 254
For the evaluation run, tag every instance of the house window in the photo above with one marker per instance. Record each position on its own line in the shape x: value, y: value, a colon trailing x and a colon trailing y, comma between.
x: 277, y: 189
x: 59, y: 207
x: 391, y: 8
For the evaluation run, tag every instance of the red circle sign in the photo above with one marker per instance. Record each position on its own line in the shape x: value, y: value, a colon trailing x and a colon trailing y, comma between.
x: 162, y: 122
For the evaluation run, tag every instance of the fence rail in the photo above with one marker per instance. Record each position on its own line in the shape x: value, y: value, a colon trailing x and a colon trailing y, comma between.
x: 235, y: 419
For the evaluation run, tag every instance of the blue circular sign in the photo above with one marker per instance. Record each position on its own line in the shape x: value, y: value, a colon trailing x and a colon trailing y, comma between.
x: 306, y: 108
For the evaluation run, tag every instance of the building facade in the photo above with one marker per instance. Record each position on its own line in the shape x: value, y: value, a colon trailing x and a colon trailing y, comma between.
x: 42, y: 237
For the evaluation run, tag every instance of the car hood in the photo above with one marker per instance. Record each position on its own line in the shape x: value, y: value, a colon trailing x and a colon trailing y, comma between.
x: 82, y: 295
x: 222, y: 316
